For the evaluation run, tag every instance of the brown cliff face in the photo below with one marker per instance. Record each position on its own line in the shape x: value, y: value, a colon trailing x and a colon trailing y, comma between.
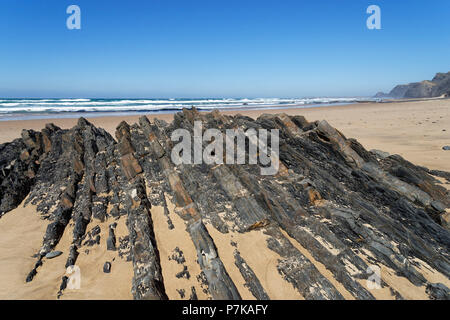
x: 438, y: 86
x: 225, y: 231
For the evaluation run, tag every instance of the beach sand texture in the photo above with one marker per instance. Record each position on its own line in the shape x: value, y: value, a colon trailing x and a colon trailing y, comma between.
x: 415, y: 130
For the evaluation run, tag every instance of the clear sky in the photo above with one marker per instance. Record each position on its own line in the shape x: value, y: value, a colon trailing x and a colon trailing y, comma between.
x: 218, y: 48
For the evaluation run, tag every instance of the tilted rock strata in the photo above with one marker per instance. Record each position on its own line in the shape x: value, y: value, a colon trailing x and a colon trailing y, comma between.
x: 438, y: 86
x: 333, y: 208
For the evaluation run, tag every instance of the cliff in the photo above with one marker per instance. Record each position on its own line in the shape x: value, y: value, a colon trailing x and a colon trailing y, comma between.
x: 437, y: 87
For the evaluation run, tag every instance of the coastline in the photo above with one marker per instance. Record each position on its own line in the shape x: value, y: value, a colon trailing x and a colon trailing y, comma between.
x: 412, y: 129
x: 224, y: 159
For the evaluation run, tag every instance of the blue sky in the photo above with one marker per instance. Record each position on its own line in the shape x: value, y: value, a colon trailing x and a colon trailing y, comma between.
x: 214, y: 48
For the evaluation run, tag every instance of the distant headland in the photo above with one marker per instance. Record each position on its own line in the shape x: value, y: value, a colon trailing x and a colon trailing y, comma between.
x: 439, y: 86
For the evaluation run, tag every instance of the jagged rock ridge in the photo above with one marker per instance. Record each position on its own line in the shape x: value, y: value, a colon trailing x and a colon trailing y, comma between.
x: 347, y: 207
x: 438, y: 86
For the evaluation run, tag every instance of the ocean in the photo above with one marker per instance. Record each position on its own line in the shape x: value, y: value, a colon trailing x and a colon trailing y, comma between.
x: 24, y: 109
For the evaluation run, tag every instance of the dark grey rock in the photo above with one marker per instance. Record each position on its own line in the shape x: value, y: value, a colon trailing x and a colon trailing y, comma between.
x: 184, y: 273
x: 147, y: 281
x: 182, y: 293
x: 221, y: 285
x: 193, y: 295
x: 95, y: 231
x: 251, y: 280
x: 438, y: 206
x: 93, y: 237
x: 53, y: 254
x: 380, y: 154
x: 107, y: 267
x: 438, y: 291
x: 73, y: 255
x: 124, y: 248
x: 177, y: 256
x: 111, y: 241
x: 115, y: 211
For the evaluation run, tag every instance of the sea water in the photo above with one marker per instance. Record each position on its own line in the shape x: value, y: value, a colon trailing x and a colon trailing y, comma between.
x: 24, y: 109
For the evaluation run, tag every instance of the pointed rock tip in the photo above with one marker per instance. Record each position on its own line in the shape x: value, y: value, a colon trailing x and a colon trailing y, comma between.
x: 52, y: 127
x: 82, y: 122
x: 143, y: 120
x: 123, y: 124
x: 190, y: 110
x: 122, y: 129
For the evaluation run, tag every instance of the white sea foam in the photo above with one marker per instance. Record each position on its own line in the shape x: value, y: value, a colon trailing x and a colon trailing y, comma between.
x: 15, y: 107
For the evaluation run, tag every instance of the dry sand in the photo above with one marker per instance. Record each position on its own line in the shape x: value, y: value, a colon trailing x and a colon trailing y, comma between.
x: 169, y: 239
x: 95, y: 284
x: 263, y: 261
x: 21, y: 234
x: 415, y: 130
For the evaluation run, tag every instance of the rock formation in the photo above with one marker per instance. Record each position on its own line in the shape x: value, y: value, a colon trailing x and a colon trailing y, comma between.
x: 333, y: 209
x: 438, y: 86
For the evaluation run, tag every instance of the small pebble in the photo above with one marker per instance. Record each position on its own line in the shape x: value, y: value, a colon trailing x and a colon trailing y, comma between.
x: 53, y: 254
x: 107, y: 267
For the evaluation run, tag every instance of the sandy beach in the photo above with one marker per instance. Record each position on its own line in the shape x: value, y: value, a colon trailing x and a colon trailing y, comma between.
x: 415, y: 130
x: 224, y: 151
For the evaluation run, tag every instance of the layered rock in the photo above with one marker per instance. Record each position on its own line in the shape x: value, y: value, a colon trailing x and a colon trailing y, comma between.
x: 332, y: 211
x: 438, y: 86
